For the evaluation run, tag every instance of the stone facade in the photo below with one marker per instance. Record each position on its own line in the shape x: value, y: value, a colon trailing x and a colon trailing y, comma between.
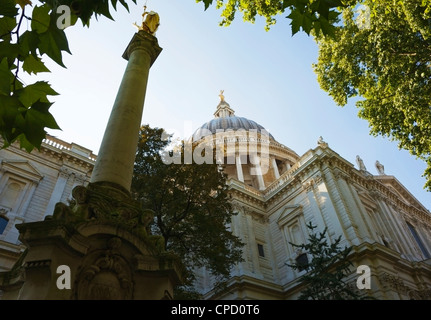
x: 276, y: 193
x: 32, y: 183
x: 390, y: 231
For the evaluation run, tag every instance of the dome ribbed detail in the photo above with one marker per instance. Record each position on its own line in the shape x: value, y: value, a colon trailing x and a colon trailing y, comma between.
x: 228, y: 123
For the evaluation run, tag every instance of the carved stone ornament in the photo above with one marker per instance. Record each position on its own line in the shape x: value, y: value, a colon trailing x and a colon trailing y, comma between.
x: 395, y: 283
x: 106, y: 275
x: 108, y: 203
x: 312, y: 183
x: 321, y: 143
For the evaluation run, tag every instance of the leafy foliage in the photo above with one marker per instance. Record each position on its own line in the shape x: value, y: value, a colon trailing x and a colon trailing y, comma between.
x: 326, y: 272
x: 385, y: 62
x: 191, y: 205
x: 317, y: 16
x: 26, y: 50
x: 24, y: 109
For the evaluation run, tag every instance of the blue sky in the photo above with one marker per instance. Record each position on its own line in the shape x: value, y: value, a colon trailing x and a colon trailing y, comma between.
x: 266, y: 77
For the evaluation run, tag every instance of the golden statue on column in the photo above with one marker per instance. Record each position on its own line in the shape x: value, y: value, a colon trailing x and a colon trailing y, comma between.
x: 150, y: 22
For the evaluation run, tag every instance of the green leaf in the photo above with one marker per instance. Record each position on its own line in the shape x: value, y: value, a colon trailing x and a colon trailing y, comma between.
x: 29, y: 43
x: 36, y: 119
x: 52, y: 42
x: 35, y: 92
x: 327, y: 28
x: 5, y: 77
x: 10, y: 51
x: 40, y: 19
x: 103, y: 9
x: 27, y: 145
x: 288, y: 3
x: 316, y: 27
x: 8, y: 113
x: 323, y: 9
x: 207, y: 3
x: 7, y: 24
x: 34, y: 65
x: 297, y: 20
x: 125, y: 5
x: 73, y: 19
x: 306, y: 23
x: 40, y: 111
x: 8, y: 8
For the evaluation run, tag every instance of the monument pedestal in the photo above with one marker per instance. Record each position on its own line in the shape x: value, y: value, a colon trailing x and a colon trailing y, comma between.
x: 71, y: 257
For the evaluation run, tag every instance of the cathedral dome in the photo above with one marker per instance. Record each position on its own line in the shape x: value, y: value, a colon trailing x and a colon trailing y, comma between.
x: 227, y: 123
x: 224, y: 120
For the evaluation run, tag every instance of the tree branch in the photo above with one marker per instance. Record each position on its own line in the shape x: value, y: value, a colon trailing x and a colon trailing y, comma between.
x: 17, y: 41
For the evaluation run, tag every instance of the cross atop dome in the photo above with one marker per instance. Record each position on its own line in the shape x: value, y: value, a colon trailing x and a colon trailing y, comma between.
x: 223, y: 109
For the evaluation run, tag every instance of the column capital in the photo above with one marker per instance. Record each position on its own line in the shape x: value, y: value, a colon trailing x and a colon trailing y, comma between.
x: 143, y: 41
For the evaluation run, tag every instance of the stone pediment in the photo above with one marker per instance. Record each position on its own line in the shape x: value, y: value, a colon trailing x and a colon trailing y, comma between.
x: 289, y: 212
x: 400, y: 191
x: 21, y: 168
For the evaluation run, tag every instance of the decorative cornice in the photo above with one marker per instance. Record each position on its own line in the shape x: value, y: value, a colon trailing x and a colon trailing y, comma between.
x: 260, y: 217
x: 296, y: 178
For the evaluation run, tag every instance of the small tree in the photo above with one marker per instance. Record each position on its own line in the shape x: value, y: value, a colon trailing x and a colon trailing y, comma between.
x: 192, y: 209
x: 326, y: 272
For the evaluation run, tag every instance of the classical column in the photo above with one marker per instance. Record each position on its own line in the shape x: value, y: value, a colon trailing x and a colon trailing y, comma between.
x: 257, y: 171
x: 116, y: 156
x: 275, y: 168
x: 288, y: 166
x: 239, y: 172
x: 56, y: 194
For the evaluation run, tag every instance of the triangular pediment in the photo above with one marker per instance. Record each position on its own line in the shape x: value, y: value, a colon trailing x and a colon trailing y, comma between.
x: 400, y: 191
x: 288, y: 213
x: 22, y: 168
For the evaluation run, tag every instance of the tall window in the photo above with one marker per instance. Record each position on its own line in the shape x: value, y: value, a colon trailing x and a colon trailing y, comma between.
x: 10, y: 195
x: 3, y: 223
x: 260, y: 250
x: 419, y: 241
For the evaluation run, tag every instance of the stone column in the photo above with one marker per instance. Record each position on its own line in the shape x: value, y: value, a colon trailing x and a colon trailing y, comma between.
x: 239, y: 172
x: 254, y: 255
x: 257, y: 171
x: 56, y: 194
x: 275, y: 168
x: 116, y: 156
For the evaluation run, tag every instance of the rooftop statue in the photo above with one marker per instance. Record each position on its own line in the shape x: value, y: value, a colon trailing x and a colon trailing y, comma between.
x: 380, y: 168
x: 360, y: 163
